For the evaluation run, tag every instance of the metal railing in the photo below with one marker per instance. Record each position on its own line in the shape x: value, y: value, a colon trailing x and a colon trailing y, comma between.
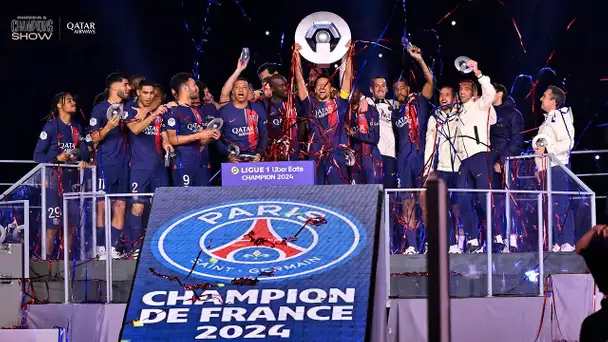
x: 548, y: 160
x: 508, y: 192
x: 488, y: 214
x: 26, y: 233
x: 107, y: 199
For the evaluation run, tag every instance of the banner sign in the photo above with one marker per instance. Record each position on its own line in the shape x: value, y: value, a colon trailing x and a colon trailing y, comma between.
x: 257, y: 263
x: 269, y: 173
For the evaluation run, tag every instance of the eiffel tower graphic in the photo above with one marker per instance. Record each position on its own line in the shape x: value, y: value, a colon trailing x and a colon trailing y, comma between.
x: 261, y: 228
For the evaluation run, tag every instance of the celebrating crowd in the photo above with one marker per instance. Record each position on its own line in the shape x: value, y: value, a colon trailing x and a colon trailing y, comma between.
x: 139, y: 140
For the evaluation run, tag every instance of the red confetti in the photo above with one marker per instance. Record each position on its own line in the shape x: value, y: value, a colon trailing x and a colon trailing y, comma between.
x: 448, y: 14
x: 248, y: 281
x: 521, y: 41
x: 571, y: 23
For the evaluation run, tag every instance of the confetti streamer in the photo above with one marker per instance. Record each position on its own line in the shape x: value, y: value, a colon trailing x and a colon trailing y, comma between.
x: 448, y: 14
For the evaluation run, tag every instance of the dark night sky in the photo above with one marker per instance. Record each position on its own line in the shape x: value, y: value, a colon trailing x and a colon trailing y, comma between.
x: 149, y: 38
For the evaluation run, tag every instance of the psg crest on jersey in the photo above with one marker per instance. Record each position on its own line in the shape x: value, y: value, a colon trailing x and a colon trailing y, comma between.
x: 247, y: 237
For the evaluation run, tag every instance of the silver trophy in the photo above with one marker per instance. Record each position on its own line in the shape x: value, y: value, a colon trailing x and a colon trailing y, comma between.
x: 323, y: 37
x: 116, y: 109
x: 349, y: 157
x: 216, y: 123
x: 235, y: 151
x: 461, y: 64
x: 541, y: 140
x: 73, y: 155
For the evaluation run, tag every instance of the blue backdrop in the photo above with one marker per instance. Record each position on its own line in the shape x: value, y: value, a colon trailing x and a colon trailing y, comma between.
x: 316, y: 288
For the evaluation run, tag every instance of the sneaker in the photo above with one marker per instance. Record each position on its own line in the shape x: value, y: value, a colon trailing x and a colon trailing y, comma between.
x: 568, y: 248
x: 426, y: 248
x: 455, y: 249
x: 411, y: 250
x: 100, y: 252
x: 102, y: 255
x: 116, y: 254
x: 556, y: 248
x: 474, y: 249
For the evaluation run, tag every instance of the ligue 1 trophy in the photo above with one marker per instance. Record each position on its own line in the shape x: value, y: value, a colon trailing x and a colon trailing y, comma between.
x: 215, y: 124
x: 235, y: 151
x: 323, y: 37
x: 116, y: 110
x: 461, y: 64
x: 541, y: 140
x: 73, y: 155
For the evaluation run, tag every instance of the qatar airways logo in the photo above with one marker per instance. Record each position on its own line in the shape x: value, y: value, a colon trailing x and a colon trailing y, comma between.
x: 243, y: 131
x: 194, y: 127
x: 66, y: 146
x: 402, y: 122
x: 152, y: 130
x: 81, y: 27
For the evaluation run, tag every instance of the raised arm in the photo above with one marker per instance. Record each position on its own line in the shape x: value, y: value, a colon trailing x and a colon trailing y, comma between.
x: 347, y: 84
x: 300, y: 82
x: 427, y: 89
x: 487, y: 89
x: 227, y: 88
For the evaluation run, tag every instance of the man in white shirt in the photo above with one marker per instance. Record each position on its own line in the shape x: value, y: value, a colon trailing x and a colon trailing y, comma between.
x: 440, y: 155
x: 557, y: 131
x: 386, y: 143
x: 473, y: 146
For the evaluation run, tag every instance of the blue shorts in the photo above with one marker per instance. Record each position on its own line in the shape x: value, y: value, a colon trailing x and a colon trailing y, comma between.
x: 409, y: 173
x: 113, y: 179
x: 147, y: 180
x: 53, y: 209
x: 190, y: 175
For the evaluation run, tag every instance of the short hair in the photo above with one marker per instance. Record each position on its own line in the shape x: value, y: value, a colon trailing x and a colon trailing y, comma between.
x: 320, y: 77
x: 114, y: 77
x: 145, y: 83
x: 401, y: 80
x: 135, y: 77
x: 100, y: 97
x: 274, y: 77
x: 271, y: 67
x: 501, y: 89
x: 375, y: 78
x: 558, y: 95
x: 179, y: 79
x: 474, y: 85
x: 241, y: 78
x: 449, y: 87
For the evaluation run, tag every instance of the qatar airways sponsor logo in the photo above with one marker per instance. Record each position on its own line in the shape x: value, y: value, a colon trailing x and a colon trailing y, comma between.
x: 243, y: 131
x: 152, y: 130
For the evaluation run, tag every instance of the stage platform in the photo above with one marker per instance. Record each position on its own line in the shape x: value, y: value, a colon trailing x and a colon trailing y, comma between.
x: 512, y: 273
x: 558, y: 317
x: 408, y: 276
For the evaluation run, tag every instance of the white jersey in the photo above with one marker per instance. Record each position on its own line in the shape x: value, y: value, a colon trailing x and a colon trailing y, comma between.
x: 441, y: 134
x: 386, y: 143
x: 558, y: 127
x: 476, y: 117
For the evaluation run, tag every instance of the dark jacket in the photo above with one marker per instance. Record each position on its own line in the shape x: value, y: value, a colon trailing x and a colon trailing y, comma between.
x: 506, y: 138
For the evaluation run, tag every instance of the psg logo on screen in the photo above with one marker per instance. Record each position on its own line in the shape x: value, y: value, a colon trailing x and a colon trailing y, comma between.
x: 245, y: 238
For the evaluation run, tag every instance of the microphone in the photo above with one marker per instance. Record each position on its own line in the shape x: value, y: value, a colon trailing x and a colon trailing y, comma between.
x: 476, y: 135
